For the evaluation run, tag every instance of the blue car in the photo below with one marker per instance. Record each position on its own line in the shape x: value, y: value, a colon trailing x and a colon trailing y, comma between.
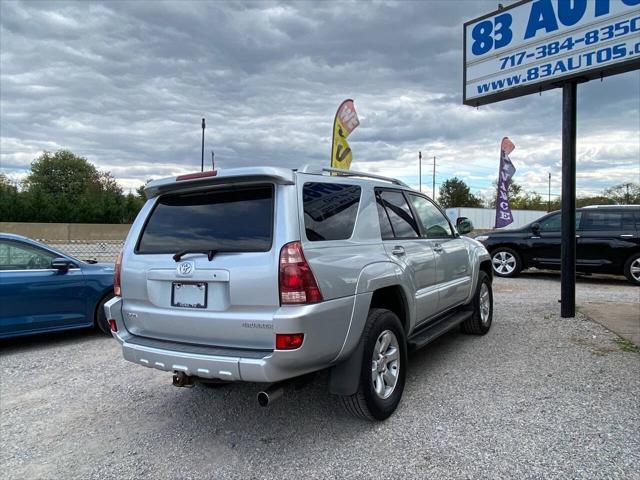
x: 43, y: 290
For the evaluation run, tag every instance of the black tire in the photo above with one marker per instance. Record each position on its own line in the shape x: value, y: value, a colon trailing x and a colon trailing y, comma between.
x: 100, y: 317
x: 475, y: 325
x: 504, y: 270
x: 366, y: 403
x: 633, y: 262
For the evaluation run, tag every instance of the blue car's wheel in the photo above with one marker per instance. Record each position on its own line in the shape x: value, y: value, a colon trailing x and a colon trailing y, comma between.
x: 101, y: 318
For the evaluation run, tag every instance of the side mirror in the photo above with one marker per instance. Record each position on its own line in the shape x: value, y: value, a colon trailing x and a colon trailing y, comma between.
x: 464, y: 225
x: 535, y: 228
x: 62, y: 264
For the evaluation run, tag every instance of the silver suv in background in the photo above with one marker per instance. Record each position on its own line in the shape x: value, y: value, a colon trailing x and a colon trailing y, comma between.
x: 271, y: 274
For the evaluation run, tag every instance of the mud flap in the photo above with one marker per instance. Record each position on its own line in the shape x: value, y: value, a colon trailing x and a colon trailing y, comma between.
x: 344, y: 378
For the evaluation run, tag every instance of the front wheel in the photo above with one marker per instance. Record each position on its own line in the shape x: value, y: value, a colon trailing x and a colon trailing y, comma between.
x: 506, y: 262
x: 384, y: 364
x: 632, y: 269
x: 480, y: 322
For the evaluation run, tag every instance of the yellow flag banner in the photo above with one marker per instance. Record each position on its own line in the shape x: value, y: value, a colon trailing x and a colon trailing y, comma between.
x: 345, y: 122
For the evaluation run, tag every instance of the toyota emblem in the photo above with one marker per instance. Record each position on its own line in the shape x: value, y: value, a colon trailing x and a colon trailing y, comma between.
x: 185, y: 268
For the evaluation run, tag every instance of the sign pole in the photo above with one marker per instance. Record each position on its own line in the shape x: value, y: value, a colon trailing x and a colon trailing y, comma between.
x: 202, y: 151
x: 420, y: 169
x: 568, y: 213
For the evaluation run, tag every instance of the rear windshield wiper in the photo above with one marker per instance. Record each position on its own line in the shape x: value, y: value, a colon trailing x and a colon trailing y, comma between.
x: 209, y: 253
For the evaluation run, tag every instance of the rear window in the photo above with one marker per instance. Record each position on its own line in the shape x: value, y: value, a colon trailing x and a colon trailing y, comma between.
x: 238, y: 219
x: 330, y: 210
x: 608, y: 220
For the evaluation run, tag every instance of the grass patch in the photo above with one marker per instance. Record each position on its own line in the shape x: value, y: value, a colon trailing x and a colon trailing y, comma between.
x: 595, y: 348
x: 627, y: 346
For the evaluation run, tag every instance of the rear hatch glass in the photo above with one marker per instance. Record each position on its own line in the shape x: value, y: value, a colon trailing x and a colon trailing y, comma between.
x: 238, y: 219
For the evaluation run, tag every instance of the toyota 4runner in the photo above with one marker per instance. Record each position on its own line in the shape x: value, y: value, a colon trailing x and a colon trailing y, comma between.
x: 271, y: 274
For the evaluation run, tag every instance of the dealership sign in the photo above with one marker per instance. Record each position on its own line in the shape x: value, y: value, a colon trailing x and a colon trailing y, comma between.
x: 533, y: 45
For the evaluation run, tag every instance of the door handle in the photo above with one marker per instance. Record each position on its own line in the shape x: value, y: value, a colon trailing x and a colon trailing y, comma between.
x: 627, y: 235
x: 438, y: 248
x: 398, y: 250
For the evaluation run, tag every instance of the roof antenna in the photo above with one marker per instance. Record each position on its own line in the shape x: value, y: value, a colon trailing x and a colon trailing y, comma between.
x: 213, y: 165
x: 202, y: 156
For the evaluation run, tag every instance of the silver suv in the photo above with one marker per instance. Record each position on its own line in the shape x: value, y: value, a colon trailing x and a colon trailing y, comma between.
x: 271, y: 274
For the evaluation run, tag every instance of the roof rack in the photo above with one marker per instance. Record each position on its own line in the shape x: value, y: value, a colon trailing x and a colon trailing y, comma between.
x: 350, y: 173
x: 611, y: 206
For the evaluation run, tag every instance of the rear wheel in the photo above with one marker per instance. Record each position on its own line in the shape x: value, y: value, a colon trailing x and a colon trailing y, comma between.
x: 506, y: 262
x: 384, y: 364
x: 101, y: 317
x: 632, y: 269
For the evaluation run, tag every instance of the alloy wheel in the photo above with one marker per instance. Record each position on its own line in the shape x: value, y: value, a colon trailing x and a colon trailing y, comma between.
x: 504, y: 263
x: 635, y: 269
x: 485, y: 304
x: 385, y: 364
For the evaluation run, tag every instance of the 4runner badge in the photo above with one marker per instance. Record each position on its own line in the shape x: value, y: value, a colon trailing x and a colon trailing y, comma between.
x: 185, y: 268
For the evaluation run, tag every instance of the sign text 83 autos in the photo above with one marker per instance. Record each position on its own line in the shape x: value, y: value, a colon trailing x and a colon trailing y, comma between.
x: 533, y: 40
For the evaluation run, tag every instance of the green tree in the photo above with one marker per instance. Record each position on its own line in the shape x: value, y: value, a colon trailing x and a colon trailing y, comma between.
x: 455, y: 193
x: 10, y: 200
x: 64, y: 187
x: 594, y: 200
x: 624, y: 194
x: 519, y: 199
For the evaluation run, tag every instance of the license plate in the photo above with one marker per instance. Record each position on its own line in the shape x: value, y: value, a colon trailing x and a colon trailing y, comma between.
x: 189, y: 294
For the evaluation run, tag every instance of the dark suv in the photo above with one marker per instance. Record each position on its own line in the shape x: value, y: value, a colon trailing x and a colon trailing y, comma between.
x: 607, y: 241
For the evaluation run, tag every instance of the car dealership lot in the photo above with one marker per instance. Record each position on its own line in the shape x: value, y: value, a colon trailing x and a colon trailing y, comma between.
x: 539, y: 396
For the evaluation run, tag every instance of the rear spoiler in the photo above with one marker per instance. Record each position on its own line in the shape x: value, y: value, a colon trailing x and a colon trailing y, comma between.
x: 232, y: 176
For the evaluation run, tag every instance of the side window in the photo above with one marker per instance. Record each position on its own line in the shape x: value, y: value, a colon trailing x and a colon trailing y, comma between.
x: 551, y: 224
x: 330, y: 210
x: 606, y: 221
x: 554, y: 223
x: 23, y: 257
x: 396, y: 207
x: 434, y: 223
x: 385, y: 223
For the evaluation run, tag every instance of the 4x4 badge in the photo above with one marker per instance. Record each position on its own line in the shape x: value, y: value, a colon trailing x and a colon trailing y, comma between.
x: 185, y: 268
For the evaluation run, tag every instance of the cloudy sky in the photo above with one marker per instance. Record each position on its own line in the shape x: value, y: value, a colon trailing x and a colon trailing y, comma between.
x: 125, y: 84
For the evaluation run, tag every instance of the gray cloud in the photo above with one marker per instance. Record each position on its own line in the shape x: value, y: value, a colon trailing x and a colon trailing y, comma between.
x: 125, y: 84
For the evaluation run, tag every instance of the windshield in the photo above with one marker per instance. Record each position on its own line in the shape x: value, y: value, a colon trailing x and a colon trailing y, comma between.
x: 239, y: 219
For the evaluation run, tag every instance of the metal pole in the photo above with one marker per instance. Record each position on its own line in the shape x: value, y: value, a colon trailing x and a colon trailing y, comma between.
x: 433, y: 189
x: 568, y: 242
x: 549, y: 197
x: 420, y: 169
x: 202, y: 159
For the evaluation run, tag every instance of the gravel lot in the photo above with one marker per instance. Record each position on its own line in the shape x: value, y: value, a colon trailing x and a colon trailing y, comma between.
x: 538, y: 397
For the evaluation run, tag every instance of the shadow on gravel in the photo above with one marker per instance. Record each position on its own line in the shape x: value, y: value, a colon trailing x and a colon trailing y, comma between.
x: 232, y: 415
x: 49, y: 340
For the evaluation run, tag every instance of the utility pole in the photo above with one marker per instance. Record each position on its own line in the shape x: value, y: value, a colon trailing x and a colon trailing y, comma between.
x: 549, y: 197
x: 202, y: 156
x: 433, y: 189
x: 420, y: 169
x: 627, y: 199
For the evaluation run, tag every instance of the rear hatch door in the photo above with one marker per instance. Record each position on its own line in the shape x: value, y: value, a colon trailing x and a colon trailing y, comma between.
x: 204, y: 268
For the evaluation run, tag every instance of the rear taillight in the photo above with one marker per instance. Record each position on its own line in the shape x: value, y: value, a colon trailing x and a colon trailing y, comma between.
x: 113, y: 325
x: 289, y: 341
x: 297, y: 283
x: 116, y: 276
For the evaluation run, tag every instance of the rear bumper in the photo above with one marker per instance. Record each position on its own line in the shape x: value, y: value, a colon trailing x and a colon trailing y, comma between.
x: 324, y: 324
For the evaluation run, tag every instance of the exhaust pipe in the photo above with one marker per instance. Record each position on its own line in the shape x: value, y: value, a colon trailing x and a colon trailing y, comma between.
x: 181, y: 379
x: 269, y: 394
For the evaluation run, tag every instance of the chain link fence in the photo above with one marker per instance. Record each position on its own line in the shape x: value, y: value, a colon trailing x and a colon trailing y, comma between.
x: 101, y: 251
